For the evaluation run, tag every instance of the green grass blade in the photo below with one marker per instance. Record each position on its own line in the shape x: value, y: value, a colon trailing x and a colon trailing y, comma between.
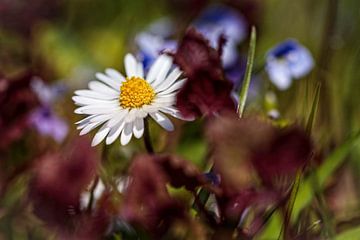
x: 331, y: 163
x: 247, y: 78
x: 306, y: 193
x: 313, y: 111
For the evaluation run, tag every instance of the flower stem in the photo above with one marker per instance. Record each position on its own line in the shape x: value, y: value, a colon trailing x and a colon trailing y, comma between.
x: 92, y: 190
x: 104, y: 156
x: 147, y: 139
x: 203, y: 211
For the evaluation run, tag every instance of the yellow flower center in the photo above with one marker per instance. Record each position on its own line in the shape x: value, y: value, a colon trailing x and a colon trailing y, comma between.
x: 135, y: 92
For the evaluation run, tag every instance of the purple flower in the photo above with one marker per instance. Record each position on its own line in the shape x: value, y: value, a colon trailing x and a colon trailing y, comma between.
x: 286, y: 61
x: 47, y: 94
x: 17, y: 101
x: 43, y: 118
x: 47, y: 123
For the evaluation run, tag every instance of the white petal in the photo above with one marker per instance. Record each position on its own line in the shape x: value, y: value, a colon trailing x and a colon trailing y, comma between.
x: 102, y: 117
x: 140, y: 70
x: 89, y: 127
x: 100, y: 135
x: 130, y: 65
x: 131, y: 116
x: 151, y: 108
x: 97, y: 95
x: 85, y: 120
x: 126, y: 134
x: 156, y: 67
x: 137, y: 113
x: 175, y: 74
x: 117, y: 118
x: 82, y: 101
x: 138, y: 127
x: 175, y: 113
x: 97, y: 109
x: 174, y: 87
x: 140, y: 113
x: 115, y: 132
x: 115, y: 74
x: 163, y: 71
x: 165, y: 99
x: 83, y: 124
x: 108, y: 80
x: 163, y: 121
x: 102, y: 88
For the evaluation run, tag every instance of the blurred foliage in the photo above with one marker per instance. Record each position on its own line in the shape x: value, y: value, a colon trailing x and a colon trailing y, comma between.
x: 85, y: 36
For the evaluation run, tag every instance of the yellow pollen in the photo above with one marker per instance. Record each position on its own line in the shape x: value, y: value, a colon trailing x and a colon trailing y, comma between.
x: 135, y: 92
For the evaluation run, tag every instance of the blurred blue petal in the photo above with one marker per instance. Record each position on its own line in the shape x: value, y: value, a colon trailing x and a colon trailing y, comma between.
x: 287, y: 61
x: 217, y: 20
x: 279, y: 73
x: 150, y: 45
x: 300, y: 62
x: 213, y: 22
x: 235, y: 72
x: 163, y: 27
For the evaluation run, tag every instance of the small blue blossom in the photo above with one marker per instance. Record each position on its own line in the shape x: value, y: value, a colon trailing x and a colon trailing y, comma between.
x: 213, y: 22
x: 154, y: 40
x: 217, y: 20
x: 287, y: 61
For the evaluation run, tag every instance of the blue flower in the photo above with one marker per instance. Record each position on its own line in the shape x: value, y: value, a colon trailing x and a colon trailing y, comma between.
x: 217, y: 20
x: 213, y: 22
x: 154, y: 40
x: 287, y: 61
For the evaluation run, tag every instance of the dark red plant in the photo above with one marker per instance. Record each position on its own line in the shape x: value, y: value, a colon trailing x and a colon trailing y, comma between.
x: 17, y: 15
x: 17, y: 100
x: 287, y: 153
x: 147, y: 204
x: 206, y: 92
x: 181, y: 172
x: 252, y: 149
x: 59, y: 178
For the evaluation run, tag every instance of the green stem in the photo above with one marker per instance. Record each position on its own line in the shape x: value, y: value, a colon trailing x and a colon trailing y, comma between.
x: 147, y: 139
x: 96, y: 181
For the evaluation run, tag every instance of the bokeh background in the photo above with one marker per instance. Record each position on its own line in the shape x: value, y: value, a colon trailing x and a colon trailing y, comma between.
x: 65, y: 42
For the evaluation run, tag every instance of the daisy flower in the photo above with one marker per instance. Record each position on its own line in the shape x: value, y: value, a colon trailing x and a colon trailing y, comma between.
x: 119, y: 104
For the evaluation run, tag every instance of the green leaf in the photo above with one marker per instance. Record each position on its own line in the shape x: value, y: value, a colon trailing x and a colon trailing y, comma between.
x: 306, y: 192
x: 349, y: 234
x: 247, y: 78
x: 331, y: 163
